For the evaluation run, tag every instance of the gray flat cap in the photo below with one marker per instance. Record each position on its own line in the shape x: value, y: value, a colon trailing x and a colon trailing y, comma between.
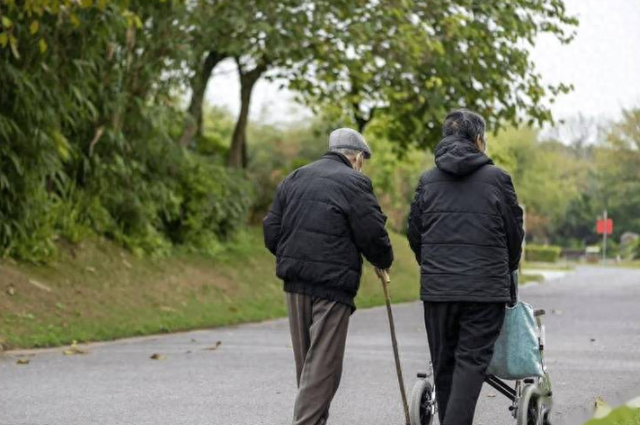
x: 346, y: 138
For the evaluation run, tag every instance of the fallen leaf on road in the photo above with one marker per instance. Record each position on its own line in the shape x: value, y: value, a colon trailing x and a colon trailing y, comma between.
x: 491, y: 395
x: 214, y: 347
x: 156, y: 356
x: 168, y: 309
x: 602, y: 409
x: 73, y: 350
x: 23, y: 361
x: 39, y: 285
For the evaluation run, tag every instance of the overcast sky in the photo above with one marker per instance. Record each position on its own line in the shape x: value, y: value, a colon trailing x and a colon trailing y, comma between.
x: 603, y: 63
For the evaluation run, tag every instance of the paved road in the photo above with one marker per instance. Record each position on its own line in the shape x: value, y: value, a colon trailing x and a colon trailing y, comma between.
x: 593, y: 350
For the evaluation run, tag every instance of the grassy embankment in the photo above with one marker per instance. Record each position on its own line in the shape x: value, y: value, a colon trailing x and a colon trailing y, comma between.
x: 632, y: 264
x: 98, y: 291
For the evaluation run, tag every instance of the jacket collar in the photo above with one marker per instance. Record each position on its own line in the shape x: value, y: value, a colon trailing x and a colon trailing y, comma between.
x: 336, y: 156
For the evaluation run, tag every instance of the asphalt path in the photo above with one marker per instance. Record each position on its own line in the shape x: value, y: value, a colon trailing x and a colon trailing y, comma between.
x: 593, y: 350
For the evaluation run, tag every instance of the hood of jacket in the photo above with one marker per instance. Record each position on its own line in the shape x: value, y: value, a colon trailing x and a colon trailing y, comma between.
x: 457, y: 155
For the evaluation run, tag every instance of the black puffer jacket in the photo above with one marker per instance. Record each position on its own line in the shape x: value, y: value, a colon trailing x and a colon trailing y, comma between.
x: 323, y: 219
x: 465, y: 226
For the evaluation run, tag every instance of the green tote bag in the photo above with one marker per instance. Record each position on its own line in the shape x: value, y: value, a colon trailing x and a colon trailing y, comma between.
x: 516, y: 354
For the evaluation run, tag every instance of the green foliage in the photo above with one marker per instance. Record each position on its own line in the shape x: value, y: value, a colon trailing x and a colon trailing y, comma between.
x: 603, y: 176
x: 87, y: 130
x: 394, y: 178
x: 215, y: 203
x: 129, y: 296
x: 544, y: 253
x: 415, y: 61
x: 617, y: 172
x: 277, y: 152
x: 549, y: 178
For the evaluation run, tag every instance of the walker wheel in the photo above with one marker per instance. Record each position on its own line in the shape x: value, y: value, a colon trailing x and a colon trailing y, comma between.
x: 530, y: 410
x: 544, y: 415
x: 422, y: 408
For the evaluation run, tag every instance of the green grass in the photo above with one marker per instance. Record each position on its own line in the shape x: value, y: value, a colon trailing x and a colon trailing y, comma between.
x: 620, y: 416
x: 635, y: 264
x: 101, y: 292
x: 526, y: 278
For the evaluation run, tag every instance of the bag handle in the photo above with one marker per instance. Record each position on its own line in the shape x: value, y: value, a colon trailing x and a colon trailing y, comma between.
x: 513, y: 288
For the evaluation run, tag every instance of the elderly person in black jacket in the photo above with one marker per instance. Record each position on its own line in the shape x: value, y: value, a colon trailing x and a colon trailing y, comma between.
x: 323, y: 219
x: 465, y: 228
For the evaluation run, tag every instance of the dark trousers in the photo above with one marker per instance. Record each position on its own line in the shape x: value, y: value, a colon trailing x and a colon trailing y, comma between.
x: 461, y: 339
x: 318, y: 335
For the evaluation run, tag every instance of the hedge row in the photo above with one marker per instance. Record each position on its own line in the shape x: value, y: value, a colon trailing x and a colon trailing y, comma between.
x: 545, y: 253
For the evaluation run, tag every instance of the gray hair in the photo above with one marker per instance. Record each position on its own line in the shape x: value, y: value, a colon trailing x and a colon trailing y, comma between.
x: 347, y: 152
x: 464, y: 123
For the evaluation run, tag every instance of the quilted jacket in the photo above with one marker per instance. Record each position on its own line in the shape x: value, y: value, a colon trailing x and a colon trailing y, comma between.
x: 323, y: 219
x: 465, y: 226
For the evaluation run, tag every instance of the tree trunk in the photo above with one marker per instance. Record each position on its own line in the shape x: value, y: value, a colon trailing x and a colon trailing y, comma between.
x: 361, y: 120
x: 193, y: 122
x: 358, y: 115
x: 238, y: 150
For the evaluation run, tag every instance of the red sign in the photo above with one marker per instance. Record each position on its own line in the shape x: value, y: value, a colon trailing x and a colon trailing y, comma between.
x: 604, y: 226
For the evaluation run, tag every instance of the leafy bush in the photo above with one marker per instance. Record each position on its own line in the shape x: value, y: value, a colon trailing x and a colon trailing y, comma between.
x: 214, y: 203
x: 277, y: 152
x: 394, y: 178
x: 636, y: 251
x: 87, y: 134
x: 546, y: 253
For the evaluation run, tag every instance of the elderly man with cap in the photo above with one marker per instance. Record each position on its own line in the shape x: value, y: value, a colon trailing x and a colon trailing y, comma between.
x: 323, y: 219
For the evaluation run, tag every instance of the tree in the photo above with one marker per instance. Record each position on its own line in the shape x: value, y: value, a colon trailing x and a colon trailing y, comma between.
x: 278, y: 37
x: 547, y: 175
x: 213, y: 36
x: 248, y: 78
x: 263, y: 37
x: 88, y: 112
x: 617, y: 172
x: 415, y: 61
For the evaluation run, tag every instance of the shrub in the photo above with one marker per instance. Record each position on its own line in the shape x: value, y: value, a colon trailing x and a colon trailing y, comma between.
x: 546, y: 253
x: 636, y: 251
x: 88, y: 129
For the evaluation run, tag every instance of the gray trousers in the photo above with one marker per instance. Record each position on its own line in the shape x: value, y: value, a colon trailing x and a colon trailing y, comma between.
x: 318, y: 335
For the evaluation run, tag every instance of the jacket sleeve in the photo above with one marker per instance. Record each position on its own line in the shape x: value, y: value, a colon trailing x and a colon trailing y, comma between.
x: 272, y: 223
x: 512, y: 217
x: 367, y: 224
x: 414, y: 227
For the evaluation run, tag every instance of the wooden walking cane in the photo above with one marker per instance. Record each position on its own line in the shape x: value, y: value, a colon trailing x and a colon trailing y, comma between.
x: 384, y: 277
